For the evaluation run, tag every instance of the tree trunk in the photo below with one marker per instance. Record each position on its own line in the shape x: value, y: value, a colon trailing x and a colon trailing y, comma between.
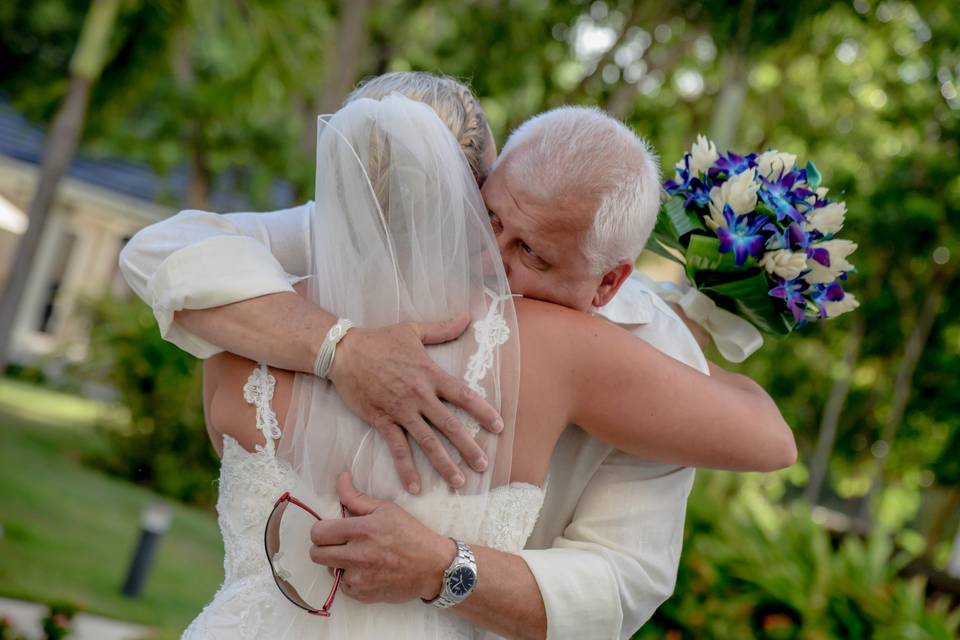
x: 343, y: 69
x: 725, y: 119
x: 953, y: 566
x: 903, y: 381
x: 61, y: 145
x: 830, y: 420
x: 935, y: 533
x: 200, y: 177
x: 351, y: 44
x: 728, y: 108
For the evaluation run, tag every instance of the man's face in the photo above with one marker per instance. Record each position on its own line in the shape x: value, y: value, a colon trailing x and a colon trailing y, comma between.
x: 540, y: 241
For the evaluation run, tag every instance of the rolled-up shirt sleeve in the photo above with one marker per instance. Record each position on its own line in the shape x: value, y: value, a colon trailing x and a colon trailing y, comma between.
x: 200, y: 260
x: 617, y: 559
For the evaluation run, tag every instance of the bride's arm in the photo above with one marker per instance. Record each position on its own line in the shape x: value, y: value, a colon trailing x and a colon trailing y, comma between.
x: 640, y: 401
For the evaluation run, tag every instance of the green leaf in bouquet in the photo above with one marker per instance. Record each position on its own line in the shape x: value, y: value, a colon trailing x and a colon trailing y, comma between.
x: 703, y: 254
x: 664, y: 240
x: 665, y: 232
x: 684, y: 222
x: 813, y: 175
x: 751, y: 300
x: 663, y: 247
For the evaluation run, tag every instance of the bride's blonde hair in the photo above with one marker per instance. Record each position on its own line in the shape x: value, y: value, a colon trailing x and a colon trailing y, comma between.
x: 452, y: 101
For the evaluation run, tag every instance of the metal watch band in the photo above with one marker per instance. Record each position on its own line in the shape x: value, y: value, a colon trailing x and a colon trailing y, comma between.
x: 464, y: 557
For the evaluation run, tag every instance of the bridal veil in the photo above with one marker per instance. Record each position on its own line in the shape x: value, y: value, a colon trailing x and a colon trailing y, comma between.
x: 400, y: 233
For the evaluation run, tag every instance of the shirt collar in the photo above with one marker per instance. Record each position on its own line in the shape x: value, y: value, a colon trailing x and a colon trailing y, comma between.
x: 633, y: 303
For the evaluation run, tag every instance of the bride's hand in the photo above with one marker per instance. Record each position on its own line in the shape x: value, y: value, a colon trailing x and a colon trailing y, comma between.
x: 386, y: 377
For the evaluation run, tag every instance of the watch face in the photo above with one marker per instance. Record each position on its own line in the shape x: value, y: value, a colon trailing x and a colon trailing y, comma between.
x: 461, y: 581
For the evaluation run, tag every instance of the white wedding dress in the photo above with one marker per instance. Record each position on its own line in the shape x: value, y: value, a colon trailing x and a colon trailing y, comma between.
x: 249, y: 604
x: 400, y: 233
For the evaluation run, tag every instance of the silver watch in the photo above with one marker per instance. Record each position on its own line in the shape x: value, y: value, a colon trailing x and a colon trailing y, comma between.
x: 459, y: 580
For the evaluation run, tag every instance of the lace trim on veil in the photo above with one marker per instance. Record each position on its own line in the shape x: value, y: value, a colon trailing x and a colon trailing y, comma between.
x: 490, y: 332
x: 258, y: 391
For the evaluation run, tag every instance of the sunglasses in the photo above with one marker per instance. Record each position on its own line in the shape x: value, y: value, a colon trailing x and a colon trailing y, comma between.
x: 271, y: 541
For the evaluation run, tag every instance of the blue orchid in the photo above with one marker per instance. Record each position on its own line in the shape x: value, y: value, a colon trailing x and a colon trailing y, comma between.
x: 731, y: 164
x: 823, y: 293
x: 781, y: 198
x: 742, y: 235
x: 673, y: 187
x: 688, y: 185
x: 791, y: 292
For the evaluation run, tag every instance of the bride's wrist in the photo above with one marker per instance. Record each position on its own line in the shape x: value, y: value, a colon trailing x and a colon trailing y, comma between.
x: 441, y: 555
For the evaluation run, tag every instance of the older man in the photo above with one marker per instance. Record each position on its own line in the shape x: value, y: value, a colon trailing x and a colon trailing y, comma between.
x: 572, y: 200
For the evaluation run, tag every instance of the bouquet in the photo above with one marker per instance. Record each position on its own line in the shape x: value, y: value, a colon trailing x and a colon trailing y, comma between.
x: 756, y: 236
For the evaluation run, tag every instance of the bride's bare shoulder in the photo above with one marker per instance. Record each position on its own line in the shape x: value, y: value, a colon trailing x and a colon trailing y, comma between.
x: 227, y: 412
x: 550, y: 320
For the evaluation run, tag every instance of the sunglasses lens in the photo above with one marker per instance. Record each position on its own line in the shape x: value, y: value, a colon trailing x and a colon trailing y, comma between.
x: 287, y: 542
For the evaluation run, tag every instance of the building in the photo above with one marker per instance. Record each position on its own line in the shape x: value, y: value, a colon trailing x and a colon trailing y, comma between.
x: 100, y: 204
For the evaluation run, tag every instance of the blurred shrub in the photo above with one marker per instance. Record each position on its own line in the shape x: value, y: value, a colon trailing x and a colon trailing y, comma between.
x: 58, y: 623
x: 164, y: 446
x: 30, y: 374
x: 8, y: 631
x: 752, y: 568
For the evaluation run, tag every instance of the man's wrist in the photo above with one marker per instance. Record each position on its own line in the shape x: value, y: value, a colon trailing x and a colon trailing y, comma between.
x: 328, y: 350
x: 442, y: 553
x: 343, y: 353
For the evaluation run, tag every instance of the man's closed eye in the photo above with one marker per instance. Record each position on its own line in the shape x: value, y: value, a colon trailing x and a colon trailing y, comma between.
x: 532, y: 258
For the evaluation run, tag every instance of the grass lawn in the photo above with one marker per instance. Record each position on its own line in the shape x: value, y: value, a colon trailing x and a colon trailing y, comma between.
x: 70, y: 530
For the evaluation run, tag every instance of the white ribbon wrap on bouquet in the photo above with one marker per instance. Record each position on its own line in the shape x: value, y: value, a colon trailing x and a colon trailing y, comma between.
x: 736, y: 338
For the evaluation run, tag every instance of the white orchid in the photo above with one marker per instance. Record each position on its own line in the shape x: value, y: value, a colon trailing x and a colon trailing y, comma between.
x: 783, y: 263
x: 827, y: 219
x: 703, y: 154
x: 740, y: 192
x: 773, y: 164
x: 820, y: 195
x: 842, y: 306
x: 838, y: 251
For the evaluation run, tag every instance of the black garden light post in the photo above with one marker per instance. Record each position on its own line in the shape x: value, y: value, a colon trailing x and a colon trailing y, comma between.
x: 154, y: 522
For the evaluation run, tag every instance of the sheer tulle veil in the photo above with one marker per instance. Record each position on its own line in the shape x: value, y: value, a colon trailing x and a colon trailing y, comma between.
x: 400, y: 232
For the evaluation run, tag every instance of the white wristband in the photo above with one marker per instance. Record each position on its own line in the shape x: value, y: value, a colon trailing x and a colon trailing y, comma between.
x: 328, y: 350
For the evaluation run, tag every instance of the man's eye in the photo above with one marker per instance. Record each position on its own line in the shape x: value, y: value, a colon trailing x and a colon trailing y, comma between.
x: 527, y: 250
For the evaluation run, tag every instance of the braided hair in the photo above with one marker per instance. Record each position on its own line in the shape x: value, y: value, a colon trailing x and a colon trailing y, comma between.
x: 453, y: 102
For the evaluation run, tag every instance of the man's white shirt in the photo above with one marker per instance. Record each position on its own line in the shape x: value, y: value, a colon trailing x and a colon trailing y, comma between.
x: 607, y: 545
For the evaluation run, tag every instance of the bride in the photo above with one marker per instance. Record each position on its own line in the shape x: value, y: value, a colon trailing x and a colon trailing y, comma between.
x: 400, y: 233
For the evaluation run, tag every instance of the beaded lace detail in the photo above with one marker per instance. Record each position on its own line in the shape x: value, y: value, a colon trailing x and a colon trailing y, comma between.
x: 250, y: 606
x: 258, y: 391
x: 490, y: 332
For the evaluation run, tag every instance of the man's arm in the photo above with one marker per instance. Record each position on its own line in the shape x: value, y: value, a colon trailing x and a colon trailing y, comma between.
x: 389, y: 556
x: 614, y: 565
x: 616, y: 562
x: 220, y: 282
x: 507, y: 599
x: 201, y: 260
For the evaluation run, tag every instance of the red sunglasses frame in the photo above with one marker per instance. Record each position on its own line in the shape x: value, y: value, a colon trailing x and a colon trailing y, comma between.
x: 324, y: 611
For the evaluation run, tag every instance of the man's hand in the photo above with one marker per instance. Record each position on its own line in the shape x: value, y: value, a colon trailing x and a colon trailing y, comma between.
x: 386, y: 554
x: 386, y: 377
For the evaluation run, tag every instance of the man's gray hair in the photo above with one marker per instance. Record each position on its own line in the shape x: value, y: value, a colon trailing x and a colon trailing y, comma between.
x: 584, y: 153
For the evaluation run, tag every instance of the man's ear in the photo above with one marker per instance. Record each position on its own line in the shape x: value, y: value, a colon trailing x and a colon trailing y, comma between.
x: 611, y: 282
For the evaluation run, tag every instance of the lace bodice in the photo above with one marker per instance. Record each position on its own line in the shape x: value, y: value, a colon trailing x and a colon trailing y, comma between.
x: 249, y: 605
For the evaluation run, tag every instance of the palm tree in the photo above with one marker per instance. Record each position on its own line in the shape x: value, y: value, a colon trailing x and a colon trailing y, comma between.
x: 86, y: 65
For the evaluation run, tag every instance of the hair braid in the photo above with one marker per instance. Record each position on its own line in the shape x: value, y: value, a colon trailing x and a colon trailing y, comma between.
x: 453, y: 102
